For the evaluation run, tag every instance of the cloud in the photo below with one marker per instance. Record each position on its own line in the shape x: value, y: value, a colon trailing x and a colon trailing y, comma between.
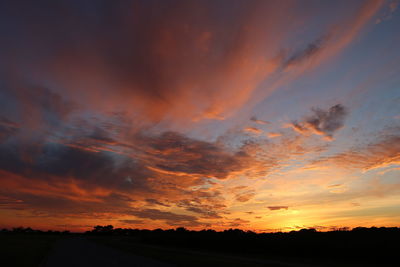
x: 134, y: 222
x: 93, y: 51
x: 170, y: 217
x: 254, y: 119
x: 175, y: 154
x: 305, y: 54
x: 393, y: 5
x: 343, y: 33
x: 7, y: 128
x: 378, y: 154
x: 278, y: 207
x: 95, y: 155
x: 77, y: 227
x: 109, y: 177
x: 238, y: 222
x: 206, y: 209
x: 389, y: 10
x: 253, y: 130
x: 208, y: 214
x: 322, y: 122
x: 156, y: 202
x: 58, y: 199
x: 273, y: 134
x: 246, y: 196
x: 172, y: 73
x: 334, y: 185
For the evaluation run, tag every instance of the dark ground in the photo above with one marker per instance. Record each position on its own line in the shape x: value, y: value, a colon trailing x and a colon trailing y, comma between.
x: 179, y: 256
x: 80, y: 252
x: 105, y: 246
x: 21, y: 250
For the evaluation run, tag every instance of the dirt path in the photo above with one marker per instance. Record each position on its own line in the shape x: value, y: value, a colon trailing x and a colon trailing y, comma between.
x: 79, y: 252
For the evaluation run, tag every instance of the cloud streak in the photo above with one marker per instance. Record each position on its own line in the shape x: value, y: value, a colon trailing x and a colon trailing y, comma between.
x: 273, y: 208
x: 379, y: 154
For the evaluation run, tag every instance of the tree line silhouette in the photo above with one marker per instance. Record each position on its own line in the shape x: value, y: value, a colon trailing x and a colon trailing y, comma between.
x: 28, y: 230
x: 360, y: 244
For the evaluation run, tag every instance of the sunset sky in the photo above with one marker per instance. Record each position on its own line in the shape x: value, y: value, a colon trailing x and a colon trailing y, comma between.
x: 258, y: 115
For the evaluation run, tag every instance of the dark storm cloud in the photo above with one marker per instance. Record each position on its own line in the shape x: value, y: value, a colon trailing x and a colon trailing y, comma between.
x: 323, y: 122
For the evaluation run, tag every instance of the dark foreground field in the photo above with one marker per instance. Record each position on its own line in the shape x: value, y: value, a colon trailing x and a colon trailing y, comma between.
x: 25, y: 250
x: 105, y: 246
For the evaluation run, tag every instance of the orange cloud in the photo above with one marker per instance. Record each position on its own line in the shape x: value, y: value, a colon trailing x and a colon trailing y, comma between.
x: 273, y: 134
x: 246, y: 196
x: 253, y: 130
x: 375, y: 155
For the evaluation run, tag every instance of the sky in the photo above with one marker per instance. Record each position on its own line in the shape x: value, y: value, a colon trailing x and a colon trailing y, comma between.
x: 258, y: 115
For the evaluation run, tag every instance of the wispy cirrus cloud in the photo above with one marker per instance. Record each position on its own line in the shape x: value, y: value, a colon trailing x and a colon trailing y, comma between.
x: 380, y: 153
x: 306, y: 53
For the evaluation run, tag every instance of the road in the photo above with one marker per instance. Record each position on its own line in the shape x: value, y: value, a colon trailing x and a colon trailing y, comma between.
x: 79, y: 252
